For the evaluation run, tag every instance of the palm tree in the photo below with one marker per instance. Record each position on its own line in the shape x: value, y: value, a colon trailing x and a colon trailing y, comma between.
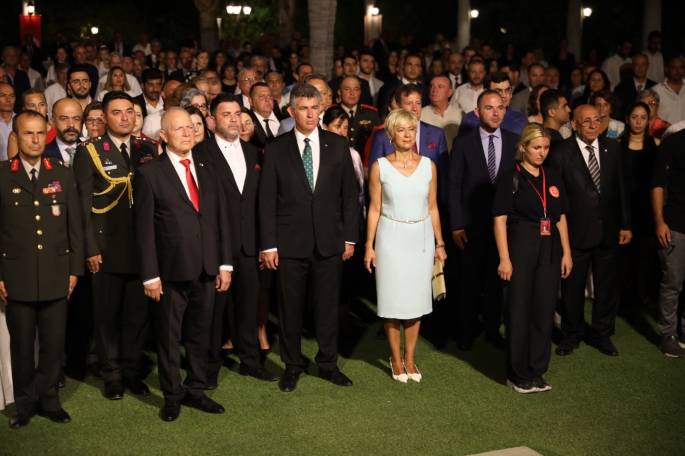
x: 321, y: 28
x: 209, y: 29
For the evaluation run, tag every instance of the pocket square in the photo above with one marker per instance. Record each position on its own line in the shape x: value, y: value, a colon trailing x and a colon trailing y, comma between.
x: 432, y: 145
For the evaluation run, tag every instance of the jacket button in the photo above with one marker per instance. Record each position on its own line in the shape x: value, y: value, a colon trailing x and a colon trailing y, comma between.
x: 36, y: 203
x: 37, y: 217
x: 40, y: 247
x: 40, y: 232
x: 16, y: 204
x: 67, y: 250
x: 4, y: 254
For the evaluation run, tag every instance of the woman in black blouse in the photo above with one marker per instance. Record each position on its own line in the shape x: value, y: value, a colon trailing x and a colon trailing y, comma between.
x: 532, y: 240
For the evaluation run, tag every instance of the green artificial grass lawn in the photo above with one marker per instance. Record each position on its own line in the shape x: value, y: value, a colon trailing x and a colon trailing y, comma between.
x: 632, y: 404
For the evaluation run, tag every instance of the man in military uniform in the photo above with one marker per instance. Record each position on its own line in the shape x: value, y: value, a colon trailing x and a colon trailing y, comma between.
x: 363, y: 118
x: 104, y: 168
x: 41, y: 239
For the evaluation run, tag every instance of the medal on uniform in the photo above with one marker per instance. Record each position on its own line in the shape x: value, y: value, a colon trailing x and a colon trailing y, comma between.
x: 545, y: 223
x: 56, y: 211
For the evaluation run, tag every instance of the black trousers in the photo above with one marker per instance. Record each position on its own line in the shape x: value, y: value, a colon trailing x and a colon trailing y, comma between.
x: 243, y: 292
x: 120, y: 314
x: 479, y: 262
x: 531, y: 298
x: 23, y: 318
x: 184, y: 312
x: 317, y: 278
x: 79, y: 344
x: 605, y: 281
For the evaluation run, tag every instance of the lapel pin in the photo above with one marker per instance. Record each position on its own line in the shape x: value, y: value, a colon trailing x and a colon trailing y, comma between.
x: 257, y: 167
x: 16, y: 190
x: 200, y: 164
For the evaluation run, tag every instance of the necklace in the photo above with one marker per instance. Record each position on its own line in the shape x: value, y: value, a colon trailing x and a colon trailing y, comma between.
x: 403, y: 162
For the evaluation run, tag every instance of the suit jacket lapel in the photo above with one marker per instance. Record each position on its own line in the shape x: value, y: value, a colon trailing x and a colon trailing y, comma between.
x: 171, y: 174
x: 221, y: 162
x: 423, y: 142
x: 604, y: 159
x: 577, y: 156
x: 296, y: 159
x: 325, y: 157
x: 480, y: 153
x: 250, y: 164
x: 202, y: 177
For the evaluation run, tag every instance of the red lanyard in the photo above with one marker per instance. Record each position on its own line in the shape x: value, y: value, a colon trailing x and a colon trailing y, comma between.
x: 542, y: 197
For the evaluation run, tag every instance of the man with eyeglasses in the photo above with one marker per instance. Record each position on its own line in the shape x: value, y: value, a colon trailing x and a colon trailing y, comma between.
x: 262, y: 111
x: 513, y: 120
x: 598, y: 221
x: 247, y: 77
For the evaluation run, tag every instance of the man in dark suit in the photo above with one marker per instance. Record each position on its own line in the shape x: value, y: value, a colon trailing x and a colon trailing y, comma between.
x: 477, y: 161
x: 67, y: 120
x: 41, y: 238
x: 79, y: 55
x: 350, y: 66
x: 627, y: 91
x: 413, y: 69
x: 186, y: 72
x: 237, y: 164
x: 598, y: 221
x: 265, y: 117
x: 17, y: 77
x: 104, y: 168
x: 431, y: 140
x: 184, y: 245
x: 118, y: 46
x: 308, y: 220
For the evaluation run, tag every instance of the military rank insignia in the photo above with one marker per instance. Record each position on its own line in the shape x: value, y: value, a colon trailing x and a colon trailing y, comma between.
x: 55, y: 187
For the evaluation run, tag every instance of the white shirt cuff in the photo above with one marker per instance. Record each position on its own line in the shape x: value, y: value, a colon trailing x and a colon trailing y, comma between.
x: 269, y: 250
x: 350, y: 243
x: 226, y: 267
x: 148, y: 282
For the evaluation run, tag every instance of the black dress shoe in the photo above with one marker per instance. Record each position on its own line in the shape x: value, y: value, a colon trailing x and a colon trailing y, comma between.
x: 212, y: 381
x: 170, y: 411
x: 566, y: 346
x: 93, y: 370
x: 114, y: 390
x: 19, y: 421
x: 465, y: 342
x: 496, y: 340
x: 58, y: 416
x: 604, y: 345
x: 336, y: 377
x: 204, y: 403
x: 62, y: 380
x: 260, y: 373
x: 136, y: 386
x: 289, y: 381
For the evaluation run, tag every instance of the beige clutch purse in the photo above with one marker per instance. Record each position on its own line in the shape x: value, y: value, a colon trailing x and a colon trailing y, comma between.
x: 438, y: 282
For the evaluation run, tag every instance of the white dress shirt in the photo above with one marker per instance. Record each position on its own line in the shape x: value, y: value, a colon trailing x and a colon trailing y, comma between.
x: 655, y: 72
x: 63, y: 150
x: 586, y: 153
x: 53, y: 94
x: 233, y: 153
x: 153, y: 124
x: 28, y: 167
x: 181, y: 171
x: 118, y: 144
x: 274, y: 124
x: 671, y: 104
x: 466, y: 97
x: 152, y: 109
x: 456, y: 80
x: 612, y: 68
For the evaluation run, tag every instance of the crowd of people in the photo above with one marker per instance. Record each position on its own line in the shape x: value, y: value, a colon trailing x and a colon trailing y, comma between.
x: 185, y: 194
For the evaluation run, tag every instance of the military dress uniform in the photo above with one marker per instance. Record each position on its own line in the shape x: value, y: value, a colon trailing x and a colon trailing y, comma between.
x: 41, y: 240
x: 104, y: 169
x: 362, y: 122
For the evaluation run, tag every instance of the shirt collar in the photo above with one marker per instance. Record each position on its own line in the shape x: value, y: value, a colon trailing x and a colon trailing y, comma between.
x: 28, y: 167
x: 582, y: 144
x: 314, y: 137
x: 485, y: 135
x: 176, y: 160
x: 225, y: 144
x: 118, y: 143
x: 347, y: 110
x: 62, y: 146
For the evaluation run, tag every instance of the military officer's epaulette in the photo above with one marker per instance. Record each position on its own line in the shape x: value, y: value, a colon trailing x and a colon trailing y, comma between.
x: 365, y: 106
x: 49, y: 162
x: 88, y: 141
x: 140, y: 138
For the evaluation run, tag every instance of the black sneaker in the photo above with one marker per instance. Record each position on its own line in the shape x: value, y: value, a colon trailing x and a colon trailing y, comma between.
x: 523, y: 388
x: 671, y: 348
x: 541, y: 385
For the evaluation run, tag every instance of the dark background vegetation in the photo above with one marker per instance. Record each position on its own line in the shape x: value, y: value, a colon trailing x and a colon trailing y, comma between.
x: 526, y: 22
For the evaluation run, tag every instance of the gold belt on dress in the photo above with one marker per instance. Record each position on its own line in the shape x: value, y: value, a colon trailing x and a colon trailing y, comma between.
x: 411, y: 222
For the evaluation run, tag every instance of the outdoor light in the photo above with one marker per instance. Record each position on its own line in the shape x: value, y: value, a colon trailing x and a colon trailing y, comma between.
x: 587, y: 12
x: 503, y: 30
x: 474, y: 14
x: 94, y: 30
x: 233, y: 9
x: 31, y: 8
x: 247, y: 9
x: 375, y: 11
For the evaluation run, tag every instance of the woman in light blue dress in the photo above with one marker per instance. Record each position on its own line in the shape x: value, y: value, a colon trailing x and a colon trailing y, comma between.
x: 403, y: 221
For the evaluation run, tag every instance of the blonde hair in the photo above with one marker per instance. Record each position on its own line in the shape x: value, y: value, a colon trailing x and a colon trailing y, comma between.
x: 530, y: 132
x: 109, y: 86
x: 396, y: 118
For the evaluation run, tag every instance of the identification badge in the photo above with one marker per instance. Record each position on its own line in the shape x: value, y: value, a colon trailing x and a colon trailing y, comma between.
x: 545, y: 227
x: 56, y: 211
x: 110, y: 168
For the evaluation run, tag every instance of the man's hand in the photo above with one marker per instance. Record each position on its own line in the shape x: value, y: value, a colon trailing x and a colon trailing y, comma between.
x: 223, y: 281
x: 93, y: 263
x: 261, y: 261
x: 3, y: 292
x: 664, y: 234
x: 349, y: 251
x: 72, y: 284
x: 624, y: 237
x: 271, y: 259
x: 154, y: 290
x: 460, y: 238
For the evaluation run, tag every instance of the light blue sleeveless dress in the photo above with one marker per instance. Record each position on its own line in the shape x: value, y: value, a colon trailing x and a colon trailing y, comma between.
x: 405, y: 243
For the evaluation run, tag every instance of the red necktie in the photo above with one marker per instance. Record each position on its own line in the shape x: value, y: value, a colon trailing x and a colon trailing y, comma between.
x: 414, y: 149
x: 192, y: 186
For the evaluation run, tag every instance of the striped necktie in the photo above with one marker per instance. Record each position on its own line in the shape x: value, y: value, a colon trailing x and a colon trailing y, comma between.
x: 492, y: 163
x: 593, y: 166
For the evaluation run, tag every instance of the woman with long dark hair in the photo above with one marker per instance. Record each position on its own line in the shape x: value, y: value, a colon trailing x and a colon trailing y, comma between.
x: 597, y: 80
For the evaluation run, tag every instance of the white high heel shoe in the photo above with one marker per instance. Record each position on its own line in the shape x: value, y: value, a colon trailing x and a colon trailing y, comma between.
x: 414, y: 377
x: 402, y: 378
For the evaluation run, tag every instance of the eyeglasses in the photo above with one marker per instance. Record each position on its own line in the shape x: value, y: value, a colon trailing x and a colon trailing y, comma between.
x: 501, y: 92
x: 250, y: 79
x: 653, y: 103
x: 202, y: 107
x: 94, y: 120
x: 587, y: 122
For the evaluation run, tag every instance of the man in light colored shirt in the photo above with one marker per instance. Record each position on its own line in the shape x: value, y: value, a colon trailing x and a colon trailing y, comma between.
x: 153, y: 122
x: 367, y: 68
x: 58, y: 90
x: 7, y: 100
x: 262, y: 107
x: 656, y: 59
x: 35, y: 78
x: 672, y: 93
x: 466, y: 95
x: 612, y: 65
x: 440, y: 112
x: 536, y: 76
x: 143, y: 45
